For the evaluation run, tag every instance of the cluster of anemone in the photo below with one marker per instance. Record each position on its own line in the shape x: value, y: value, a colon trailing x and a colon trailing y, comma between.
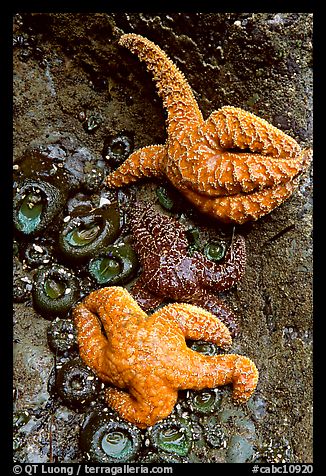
x: 63, y: 235
x: 88, y: 236
x: 51, y: 226
x: 47, y: 183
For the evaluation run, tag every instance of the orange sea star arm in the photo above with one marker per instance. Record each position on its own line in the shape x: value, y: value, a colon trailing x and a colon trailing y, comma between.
x: 232, y: 173
x: 241, y: 208
x: 147, y: 162
x: 196, y: 323
x: 178, y: 98
x: 91, y: 341
x: 236, y: 128
x: 214, y: 371
x: 142, y: 412
x: 209, y: 166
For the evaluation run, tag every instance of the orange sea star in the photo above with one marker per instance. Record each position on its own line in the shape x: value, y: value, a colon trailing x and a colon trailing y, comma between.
x: 148, y: 355
x: 231, y: 185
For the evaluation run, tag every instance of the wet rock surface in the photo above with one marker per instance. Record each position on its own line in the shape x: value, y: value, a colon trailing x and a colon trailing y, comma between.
x: 72, y: 80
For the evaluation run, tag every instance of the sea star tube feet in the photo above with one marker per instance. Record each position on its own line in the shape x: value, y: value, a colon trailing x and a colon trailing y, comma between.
x: 145, y: 358
x: 208, y: 161
x: 170, y: 271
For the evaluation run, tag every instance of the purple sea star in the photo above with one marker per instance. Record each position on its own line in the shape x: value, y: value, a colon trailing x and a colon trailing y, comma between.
x: 171, y: 272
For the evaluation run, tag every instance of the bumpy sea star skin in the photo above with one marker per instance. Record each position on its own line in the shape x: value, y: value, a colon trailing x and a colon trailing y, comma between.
x: 146, y: 359
x: 171, y: 272
x: 232, y: 186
